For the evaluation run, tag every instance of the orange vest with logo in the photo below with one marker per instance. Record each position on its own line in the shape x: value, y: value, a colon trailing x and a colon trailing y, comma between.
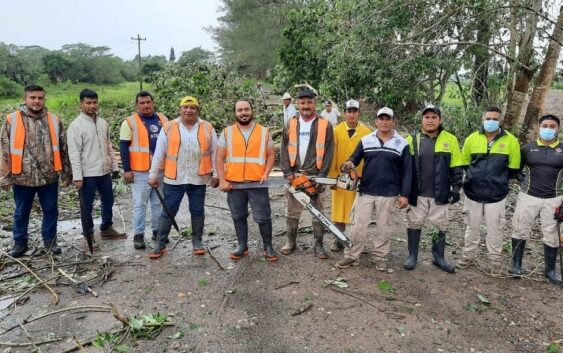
x: 172, y: 130
x: 293, y: 148
x: 17, y: 140
x: 139, y: 154
x: 246, y: 160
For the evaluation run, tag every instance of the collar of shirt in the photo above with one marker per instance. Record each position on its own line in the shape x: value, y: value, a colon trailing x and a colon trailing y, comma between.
x: 179, y: 121
x: 351, y: 128
x: 553, y: 145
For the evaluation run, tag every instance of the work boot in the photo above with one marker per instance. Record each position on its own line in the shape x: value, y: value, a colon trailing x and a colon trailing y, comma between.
x: 318, y: 233
x: 18, y: 250
x: 495, y: 267
x: 158, y: 250
x: 346, y: 262
x: 380, y: 264
x: 550, y: 257
x: 139, y: 241
x: 112, y: 234
x: 337, y: 246
x: 164, y: 226
x: 465, y: 262
x: 197, y: 235
x: 518, y: 247
x: 413, y: 239
x: 53, y: 246
x: 266, y: 233
x: 292, y: 226
x: 241, y: 229
x: 438, y: 246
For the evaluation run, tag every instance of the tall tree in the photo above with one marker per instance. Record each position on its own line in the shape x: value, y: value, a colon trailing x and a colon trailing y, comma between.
x: 172, y: 57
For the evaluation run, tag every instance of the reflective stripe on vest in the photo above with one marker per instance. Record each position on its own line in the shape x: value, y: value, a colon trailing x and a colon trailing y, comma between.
x: 17, y: 141
x: 139, y: 152
x: 292, y: 147
x: 172, y: 130
x: 245, y: 160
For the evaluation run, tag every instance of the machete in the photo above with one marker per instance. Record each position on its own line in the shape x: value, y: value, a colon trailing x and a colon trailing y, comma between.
x: 167, y: 210
x: 270, y: 183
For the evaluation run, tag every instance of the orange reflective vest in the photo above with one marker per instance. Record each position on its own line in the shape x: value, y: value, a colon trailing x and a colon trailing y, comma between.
x: 293, y: 148
x: 139, y: 154
x: 172, y: 131
x: 17, y: 140
x: 246, y: 160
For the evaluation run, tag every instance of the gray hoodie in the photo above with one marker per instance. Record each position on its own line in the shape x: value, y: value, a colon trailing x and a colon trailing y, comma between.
x: 89, y: 147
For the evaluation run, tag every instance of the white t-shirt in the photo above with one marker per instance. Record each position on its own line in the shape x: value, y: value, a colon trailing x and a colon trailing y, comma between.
x: 304, y: 137
x: 332, y: 117
x: 288, y: 113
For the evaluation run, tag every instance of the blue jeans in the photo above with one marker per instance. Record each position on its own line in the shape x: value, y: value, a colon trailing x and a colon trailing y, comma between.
x: 173, y: 195
x: 88, y: 191
x: 23, y: 197
x: 143, y: 193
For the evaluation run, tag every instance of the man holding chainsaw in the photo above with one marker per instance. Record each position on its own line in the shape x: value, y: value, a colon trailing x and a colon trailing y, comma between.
x: 186, y: 147
x: 347, y: 135
x: 307, y: 150
x: 386, y: 182
x: 245, y: 155
x: 437, y: 176
x: 540, y: 195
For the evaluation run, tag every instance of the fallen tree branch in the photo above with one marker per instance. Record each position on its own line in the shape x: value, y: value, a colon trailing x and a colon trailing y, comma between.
x: 33, y: 287
x: 88, y: 289
x: 287, y: 284
x: 302, y: 310
x: 14, y: 344
x: 353, y: 296
x: 55, y: 295
x: 215, y: 259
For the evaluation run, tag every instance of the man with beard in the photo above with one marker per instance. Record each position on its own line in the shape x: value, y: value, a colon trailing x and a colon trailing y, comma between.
x: 307, y: 149
x: 137, y: 142
x: 34, y: 156
x: 186, y: 147
x: 437, y: 175
x: 245, y: 153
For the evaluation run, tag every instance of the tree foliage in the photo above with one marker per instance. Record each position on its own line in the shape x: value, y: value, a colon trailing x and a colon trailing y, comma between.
x: 194, y: 55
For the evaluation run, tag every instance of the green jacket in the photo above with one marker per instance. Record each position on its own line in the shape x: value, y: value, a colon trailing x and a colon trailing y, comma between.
x: 489, y: 167
x: 448, y: 172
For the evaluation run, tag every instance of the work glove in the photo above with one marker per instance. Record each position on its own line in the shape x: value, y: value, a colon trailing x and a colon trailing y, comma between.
x: 454, y: 197
x: 115, y: 174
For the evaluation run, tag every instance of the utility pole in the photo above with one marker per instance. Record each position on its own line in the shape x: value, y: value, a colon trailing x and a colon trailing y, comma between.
x: 139, y: 39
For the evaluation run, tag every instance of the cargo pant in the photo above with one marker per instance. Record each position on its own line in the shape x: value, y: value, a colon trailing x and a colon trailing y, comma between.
x: 528, y: 208
x: 494, y: 214
x: 427, y: 210
x: 364, y: 205
x: 294, y: 208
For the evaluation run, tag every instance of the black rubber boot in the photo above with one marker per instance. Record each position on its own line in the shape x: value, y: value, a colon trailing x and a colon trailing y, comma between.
x: 139, y: 241
x: 438, y: 246
x: 318, y: 233
x: 197, y: 235
x: 413, y: 239
x: 292, y: 227
x: 158, y: 250
x: 154, y: 232
x: 241, y: 228
x: 164, y: 226
x: 518, y: 246
x: 53, y: 246
x: 550, y: 257
x: 266, y: 233
x: 18, y: 250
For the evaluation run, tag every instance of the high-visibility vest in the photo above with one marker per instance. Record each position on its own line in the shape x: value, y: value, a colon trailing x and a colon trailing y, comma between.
x: 293, y: 149
x: 172, y: 131
x: 17, y: 140
x: 139, y: 153
x: 246, y: 160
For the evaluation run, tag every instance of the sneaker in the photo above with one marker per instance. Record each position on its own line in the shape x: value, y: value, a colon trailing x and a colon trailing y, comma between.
x: 53, y: 247
x: 465, y: 262
x: 380, y: 264
x: 111, y: 234
x: 346, y: 262
x: 153, y: 237
x: 139, y: 241
x: 18, y: 250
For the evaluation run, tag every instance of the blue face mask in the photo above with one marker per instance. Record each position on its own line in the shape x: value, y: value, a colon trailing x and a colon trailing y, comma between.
x: 547, y: 134
x: 491, y: 125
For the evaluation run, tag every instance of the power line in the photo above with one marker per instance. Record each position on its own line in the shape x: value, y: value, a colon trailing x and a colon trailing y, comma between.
x: 139, y: 39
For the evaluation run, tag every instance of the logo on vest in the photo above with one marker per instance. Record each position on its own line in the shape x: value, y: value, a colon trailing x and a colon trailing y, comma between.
x: 558, y: 150
x: 502, y: 147
x: 446, y: 146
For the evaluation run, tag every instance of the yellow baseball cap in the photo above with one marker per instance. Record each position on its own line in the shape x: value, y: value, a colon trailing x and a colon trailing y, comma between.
x: 189, y: 100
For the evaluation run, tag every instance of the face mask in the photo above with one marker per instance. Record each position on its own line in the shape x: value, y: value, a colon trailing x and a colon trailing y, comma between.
x: 491, y: 125
x: 547, y: 134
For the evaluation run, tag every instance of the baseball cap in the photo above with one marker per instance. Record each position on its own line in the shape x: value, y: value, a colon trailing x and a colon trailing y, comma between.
x: 352, y: 104
x: 286, y: 95
x: 431, y: 108
x: 306, y: 93
x: 189, y: 100
x: 385, y: 111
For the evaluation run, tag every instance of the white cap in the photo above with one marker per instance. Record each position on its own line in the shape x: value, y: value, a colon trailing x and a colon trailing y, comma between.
x: 286, y: 96
x: 352, y: 103
x: 385, y: 111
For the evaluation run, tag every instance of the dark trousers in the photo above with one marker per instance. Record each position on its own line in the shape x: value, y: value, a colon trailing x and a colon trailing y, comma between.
x: 259, y: 200
x: 23, y: 197
x: 90, y: 185
x: 173, y: 195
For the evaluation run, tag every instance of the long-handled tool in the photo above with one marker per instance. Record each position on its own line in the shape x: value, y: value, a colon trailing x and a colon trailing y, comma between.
x: 559, y: 218
x: 167, y: 210
x: 84, y: 221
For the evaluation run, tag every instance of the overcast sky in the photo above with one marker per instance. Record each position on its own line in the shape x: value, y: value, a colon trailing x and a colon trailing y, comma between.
x: 112, y: 23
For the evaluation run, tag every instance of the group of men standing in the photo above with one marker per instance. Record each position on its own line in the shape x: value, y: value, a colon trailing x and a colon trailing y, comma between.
x: 182, y: 156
